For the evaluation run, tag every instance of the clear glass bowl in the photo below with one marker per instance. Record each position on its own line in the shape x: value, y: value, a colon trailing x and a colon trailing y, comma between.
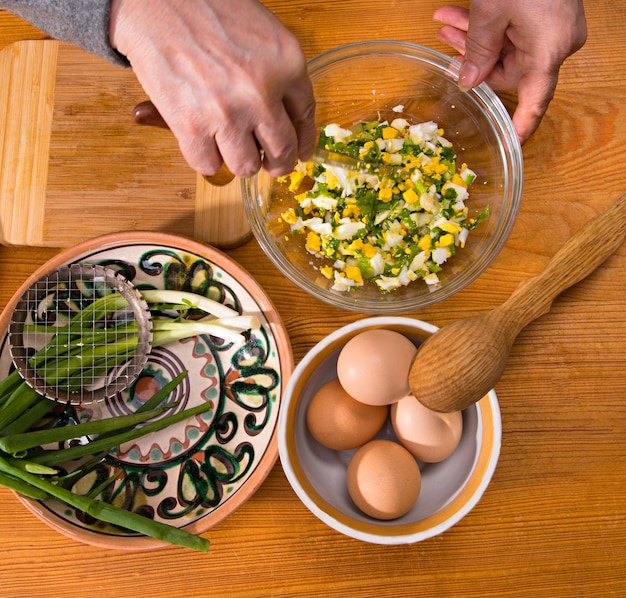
x: 366, y: 81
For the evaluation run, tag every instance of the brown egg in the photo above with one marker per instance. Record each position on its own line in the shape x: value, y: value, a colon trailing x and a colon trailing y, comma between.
x: 373, y: 367
x: 339, y: 422
x: 384, y: 480
x: 429, y: 435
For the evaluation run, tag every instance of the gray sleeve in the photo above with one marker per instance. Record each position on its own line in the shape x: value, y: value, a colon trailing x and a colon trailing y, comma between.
x: 82, y: 22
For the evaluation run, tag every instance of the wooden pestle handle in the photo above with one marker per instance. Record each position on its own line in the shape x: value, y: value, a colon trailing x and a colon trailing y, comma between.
x: 146, y: 113
x: 591, y: 245
x: 461, y: 362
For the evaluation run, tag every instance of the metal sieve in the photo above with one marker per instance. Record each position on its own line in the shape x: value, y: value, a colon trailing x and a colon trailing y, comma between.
x: 80, y: 334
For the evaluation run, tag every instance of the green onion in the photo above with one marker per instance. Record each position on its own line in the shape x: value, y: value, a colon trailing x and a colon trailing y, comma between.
x: 67, y: 479
x: 185, y: 301
x: 80, y: 344
x: 9, y: 384
x: 27, y: 440
x: 21, y: 398
x: 109, y: 513
x: 104, y: 444
x: 29, y: 417
x: 64, y: 344
x: 153, y: 402
x: 97, y: 311
x: 93, y: 493
x: 31, y: 467
x: 160, y: 395
x: 165, y: 330
x: 83, y: 347
x: 116, y: 353
x: 22, y: 487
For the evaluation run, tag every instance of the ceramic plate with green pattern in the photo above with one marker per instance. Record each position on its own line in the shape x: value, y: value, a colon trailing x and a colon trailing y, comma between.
x: 195, y: 473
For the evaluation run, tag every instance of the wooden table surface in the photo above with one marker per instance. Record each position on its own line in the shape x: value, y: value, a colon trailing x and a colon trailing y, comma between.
x: 553, y: 521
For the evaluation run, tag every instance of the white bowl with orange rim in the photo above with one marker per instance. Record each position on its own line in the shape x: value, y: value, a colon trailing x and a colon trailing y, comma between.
x: 449, y: 488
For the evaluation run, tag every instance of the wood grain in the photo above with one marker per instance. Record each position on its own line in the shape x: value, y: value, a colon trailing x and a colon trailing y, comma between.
x: 553, y: 520
x: 61, y: 107
x: 219, y: 216
x: 28, y: 71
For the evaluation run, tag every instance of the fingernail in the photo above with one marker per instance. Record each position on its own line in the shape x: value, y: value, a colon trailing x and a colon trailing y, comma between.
x: 468, y: 76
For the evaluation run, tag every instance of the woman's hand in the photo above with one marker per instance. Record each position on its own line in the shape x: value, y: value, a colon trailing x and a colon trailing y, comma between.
x: 516, y: 45
x: 227, y: 77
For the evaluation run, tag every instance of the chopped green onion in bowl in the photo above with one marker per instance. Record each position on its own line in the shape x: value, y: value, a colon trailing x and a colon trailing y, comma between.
x: 389, y: 226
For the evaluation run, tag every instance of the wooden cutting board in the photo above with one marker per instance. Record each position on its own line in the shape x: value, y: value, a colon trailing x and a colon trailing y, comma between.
x: 73, y: 164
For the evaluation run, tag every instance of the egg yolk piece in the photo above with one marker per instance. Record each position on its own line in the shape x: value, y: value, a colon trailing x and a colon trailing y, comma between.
x: 339, y: 422
x: 383, y: 479
x: 373, y: 367
x: 430, y: 436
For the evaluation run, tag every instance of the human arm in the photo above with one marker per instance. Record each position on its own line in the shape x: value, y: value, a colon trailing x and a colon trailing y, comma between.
x: 82, y: 22
x: 226, y: 76
x: 515, y: 45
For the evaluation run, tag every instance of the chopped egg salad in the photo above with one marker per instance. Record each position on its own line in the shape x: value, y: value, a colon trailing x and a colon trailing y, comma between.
x: 397, y: 218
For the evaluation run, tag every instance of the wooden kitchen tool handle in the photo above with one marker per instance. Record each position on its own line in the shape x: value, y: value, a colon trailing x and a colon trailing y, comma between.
x: 462, y: 361
x: 146, y: 113
x: 591, y: 245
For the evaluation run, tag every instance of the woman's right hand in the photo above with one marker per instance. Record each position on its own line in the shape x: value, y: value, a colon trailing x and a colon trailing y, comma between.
x: 227, y: 76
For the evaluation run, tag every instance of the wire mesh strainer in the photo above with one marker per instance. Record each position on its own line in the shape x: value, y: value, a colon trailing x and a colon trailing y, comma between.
x: 81, y: 333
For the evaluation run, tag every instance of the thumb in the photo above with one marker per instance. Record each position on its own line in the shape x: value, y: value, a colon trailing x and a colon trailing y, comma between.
x: 535, y: 92
x: 486, y: 38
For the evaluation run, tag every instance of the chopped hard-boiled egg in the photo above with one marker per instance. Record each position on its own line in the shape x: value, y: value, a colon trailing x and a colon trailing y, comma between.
x: 390, y: 226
